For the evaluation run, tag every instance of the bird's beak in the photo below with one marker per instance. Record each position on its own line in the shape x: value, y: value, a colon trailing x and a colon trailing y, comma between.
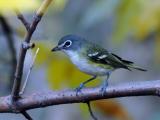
x: 57, y: 48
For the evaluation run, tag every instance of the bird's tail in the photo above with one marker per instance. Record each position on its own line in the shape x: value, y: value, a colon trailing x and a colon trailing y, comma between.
x: 137, y: 68
x: 131, y: 65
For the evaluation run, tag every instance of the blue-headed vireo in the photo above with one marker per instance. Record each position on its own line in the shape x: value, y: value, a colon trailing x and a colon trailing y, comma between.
x: 92, y: 58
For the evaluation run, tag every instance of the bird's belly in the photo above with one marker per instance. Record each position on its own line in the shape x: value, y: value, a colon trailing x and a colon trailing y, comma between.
x: 88, y: 67
x: 92, y: 70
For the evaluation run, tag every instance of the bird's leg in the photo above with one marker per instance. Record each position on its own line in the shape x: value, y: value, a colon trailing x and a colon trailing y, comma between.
x: 78, y: 89
x: 105, y: 84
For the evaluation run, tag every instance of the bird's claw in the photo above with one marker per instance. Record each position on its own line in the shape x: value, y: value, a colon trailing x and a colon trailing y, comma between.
x: 78, y: 89
x: 103, y: 90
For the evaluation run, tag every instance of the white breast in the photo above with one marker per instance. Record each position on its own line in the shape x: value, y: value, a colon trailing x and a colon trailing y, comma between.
x: 84, y: 65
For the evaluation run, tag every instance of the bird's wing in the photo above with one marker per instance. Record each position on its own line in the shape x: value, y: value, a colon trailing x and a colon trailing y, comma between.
x: 102, y: 56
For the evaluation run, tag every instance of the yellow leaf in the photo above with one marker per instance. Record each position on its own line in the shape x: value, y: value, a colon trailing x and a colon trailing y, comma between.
x: 58, y: 73
x: 43, y: 54
x: 126, y: 13
x: 6, y: 5
x: 148, y: 20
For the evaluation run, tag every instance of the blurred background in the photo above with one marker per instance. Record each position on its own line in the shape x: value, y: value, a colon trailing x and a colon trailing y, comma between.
x: 129, y: 28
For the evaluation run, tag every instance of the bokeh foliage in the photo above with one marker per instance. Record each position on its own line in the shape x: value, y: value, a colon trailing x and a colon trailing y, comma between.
x: 24, y: 5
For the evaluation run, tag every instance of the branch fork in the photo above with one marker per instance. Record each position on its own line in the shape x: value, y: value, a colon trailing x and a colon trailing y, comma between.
x: 26, y: 45
x: 30, y: 27
x: 22, y: 19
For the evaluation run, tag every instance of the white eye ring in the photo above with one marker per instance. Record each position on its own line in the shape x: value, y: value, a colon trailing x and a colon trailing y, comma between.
x: 68, y: 43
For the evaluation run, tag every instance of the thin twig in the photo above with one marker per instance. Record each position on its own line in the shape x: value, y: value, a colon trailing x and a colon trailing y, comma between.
x: 23, y: 51
x: 28, y: 74
x: 26, y: 115
x: 44, y: 99
x: 90, y: 111
x: 42, y: 9
x: 22, y: 19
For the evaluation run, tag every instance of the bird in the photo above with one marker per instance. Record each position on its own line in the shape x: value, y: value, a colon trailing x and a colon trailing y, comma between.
x: 92, y: 59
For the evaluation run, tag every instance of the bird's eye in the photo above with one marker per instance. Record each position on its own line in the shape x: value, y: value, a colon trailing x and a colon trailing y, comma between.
x: 67, y: 43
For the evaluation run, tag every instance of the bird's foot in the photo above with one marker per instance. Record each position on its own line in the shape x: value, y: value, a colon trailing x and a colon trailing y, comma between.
x: 103, y: 90
x: 78, y: 89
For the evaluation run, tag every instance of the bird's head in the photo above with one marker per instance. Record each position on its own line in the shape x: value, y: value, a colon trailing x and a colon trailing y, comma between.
x: 69, y: 43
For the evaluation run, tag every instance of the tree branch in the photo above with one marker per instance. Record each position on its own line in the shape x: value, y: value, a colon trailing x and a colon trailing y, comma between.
x: 43, y: 99
x: 22, y: 19
x: 29, y: 72
x: 26, y: 115
x: 90, y: 111
x: 23, y: 50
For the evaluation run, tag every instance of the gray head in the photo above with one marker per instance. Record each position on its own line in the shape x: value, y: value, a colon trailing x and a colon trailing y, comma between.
x: 69, y: 42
